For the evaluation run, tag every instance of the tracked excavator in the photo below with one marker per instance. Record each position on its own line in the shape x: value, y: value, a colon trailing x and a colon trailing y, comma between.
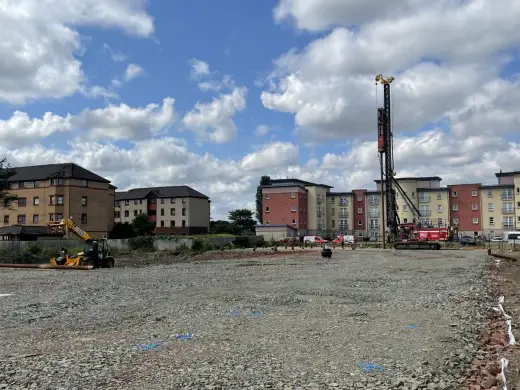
x: 406, y: 235
x: 96, y: 253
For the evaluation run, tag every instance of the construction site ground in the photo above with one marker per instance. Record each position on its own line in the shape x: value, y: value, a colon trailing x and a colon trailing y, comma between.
x: 366, y: 319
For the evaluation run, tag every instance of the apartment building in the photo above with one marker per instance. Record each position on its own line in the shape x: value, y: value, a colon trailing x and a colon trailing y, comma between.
x: 339, y: 211
x: 511, y: 179
x: 175, y: 209
x: 285, y: 204
x: 49, y: 193
x: 498, y: 211
x: 465, y: 212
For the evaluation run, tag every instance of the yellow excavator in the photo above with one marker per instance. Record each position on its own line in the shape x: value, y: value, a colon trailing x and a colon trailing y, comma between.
x: 96, y: 253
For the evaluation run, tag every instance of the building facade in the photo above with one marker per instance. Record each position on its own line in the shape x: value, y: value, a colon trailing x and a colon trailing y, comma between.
x: 285, y: 205
x: 473, y: 209
x: 49, y: 193
x: 174, y: 210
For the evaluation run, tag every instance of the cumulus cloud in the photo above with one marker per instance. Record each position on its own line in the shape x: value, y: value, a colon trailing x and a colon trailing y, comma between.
x: 133, y: 71
x: 199, y: 68
x: 39, y: 43
x: 214, y: 120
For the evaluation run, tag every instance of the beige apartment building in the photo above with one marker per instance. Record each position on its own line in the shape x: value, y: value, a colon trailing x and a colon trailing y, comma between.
x: 339, y: 211
x: 49, y: 193
x: 174, y: 210
x: 498, y: 209
x: 512, y: 179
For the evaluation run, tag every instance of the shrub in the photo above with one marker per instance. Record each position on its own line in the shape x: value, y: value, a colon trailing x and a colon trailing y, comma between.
x: 142, y: 243
x: 35, y: 249
x: 242, y: 242
x: 198, y: 246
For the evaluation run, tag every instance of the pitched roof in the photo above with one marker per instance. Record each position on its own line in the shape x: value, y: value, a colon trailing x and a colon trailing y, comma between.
x: 160, y: 192
x: 50, y: 171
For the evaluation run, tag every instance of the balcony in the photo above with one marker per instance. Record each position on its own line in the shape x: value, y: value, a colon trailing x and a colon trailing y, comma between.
x: 424, y: 199
x: 373, y: 202
x: 506, y: 196
x: 343, y: 215
x: 508, y: 211
x: 318, y: 200
x: 343, y: 203
x: 425, y: 213
x: 508, y: 225
x: 373, y: 215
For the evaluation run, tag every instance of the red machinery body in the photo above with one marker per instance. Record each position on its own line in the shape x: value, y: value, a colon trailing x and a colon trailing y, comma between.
x: 410, y: 231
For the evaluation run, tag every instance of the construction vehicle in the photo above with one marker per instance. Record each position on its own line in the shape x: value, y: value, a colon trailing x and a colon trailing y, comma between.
x: 95, y: 253
x: 402, y: 236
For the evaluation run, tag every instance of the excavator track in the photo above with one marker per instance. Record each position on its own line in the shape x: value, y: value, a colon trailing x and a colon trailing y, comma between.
x: 417, y: 245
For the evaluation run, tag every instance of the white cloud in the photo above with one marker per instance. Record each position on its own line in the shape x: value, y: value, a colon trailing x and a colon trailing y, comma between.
x: 116, y: 122
x: 262, y: 130
x: 39, y: 43
x: 116, y: 56
x: 199, y: 68
x: 133, y: 71
x: 217, y: 85
x: 214, y: 121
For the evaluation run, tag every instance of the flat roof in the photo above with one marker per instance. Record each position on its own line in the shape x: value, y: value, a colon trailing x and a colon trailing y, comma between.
x: 438, y: 189
x: 298, y: 181
x: 498, y: 186
x: 339, y: 193
x: 285, y: 185
x: 511, y: 173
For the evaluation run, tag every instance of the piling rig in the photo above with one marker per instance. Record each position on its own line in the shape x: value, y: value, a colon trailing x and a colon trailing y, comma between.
x: 402, y: 236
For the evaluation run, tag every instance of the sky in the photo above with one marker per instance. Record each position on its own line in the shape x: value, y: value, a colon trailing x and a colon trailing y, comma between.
x: 215, y: 94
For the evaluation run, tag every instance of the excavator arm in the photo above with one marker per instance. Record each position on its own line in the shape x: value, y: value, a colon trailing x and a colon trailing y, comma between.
x: 68, y: 225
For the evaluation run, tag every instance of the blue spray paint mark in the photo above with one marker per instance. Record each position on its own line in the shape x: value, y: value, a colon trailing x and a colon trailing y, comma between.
x: 257, y: 313
x: 185, y: 336
x: 369, y: 367
x: 147, y: 347
x: 412, y: 326
x: 234, y: 313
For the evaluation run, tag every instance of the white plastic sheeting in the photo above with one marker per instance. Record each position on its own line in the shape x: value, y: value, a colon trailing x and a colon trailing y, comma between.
x: 504, y: 363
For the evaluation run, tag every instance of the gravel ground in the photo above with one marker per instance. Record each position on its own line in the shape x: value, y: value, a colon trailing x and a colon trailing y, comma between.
x: 363, y: 320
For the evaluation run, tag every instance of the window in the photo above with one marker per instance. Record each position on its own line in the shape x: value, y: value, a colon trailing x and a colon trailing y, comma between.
x: 6, y: 218
x: 455, y: 207
x: 127, y: 213
x: 491, y: 233
x: 183, y: 201
x: 332, y: 211
x: 439, y: 195
x: 518, y: 205
x: 454, y: 194
x: 27, y: 184
x: 332, y: 199
x: 343, y: 201
x: 405, y: 208
x: 343, y: 212
x: 172, y: 212
x: 374, y: 224
x: 183, y: 223
x: 136, y: 201
x: 507, y: 194
x: 293, y: 195
x: 22, y: 202
x: 294, y: 221
x: 127, y: 202
x: 490, y: 193
x: 508, y: 222
x: 14, y: 186
x: 162, y: 212
x: 183, y: 212
x: 141, y: 212
x: 84, y: 218
x: 267, y: 209
x: 455, y: 221
x: 293, y: 208
x: 518, y: 190
x: 37, y: 184
x: 333, y: 224
x: 266, y: 195
x: 56, y: 200
x: 439, y: 208
x: 36, y: 200
x: 162, y: 223
x: 172, y: 223
x: 491, y: 207
x: 56, y: 182
x: 135, y: 213
x: 267, y: 222
x: 475, y: 220
x: 36, y: 218
x: 117, y: 214
x: 359, y: 222
x: 162, y: 200
x: 84, y: 183
x: 140, y: 201
x: 84, y: 201
x: 413, y: 194
x: 343, y: 224
x: 21, y: 218
x: 152, y: 201
x: 360, y: 198
x: 473, y: 193
x: 439, y: 222
x: 507, y: 208
x: 172, y: 200
x: 491, y: 220
x: 474, y: 207
x: 360, y: 210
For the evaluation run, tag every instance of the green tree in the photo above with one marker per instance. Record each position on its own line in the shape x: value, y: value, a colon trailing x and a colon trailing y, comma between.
x: 242, y: 220
x: 6, y: 172
x: 264, y: 181
x: 221, y: 227
x: 122, y: 230
x: 142, y: 225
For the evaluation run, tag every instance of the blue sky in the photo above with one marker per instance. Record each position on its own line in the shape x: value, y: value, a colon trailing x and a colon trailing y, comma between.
x: 302, y: 68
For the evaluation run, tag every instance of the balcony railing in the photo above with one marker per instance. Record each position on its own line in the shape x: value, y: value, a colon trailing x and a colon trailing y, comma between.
x: 424, y: 199
x: 343, y: 215
x: 373, y: 202
x: 426, y: 213
x: 508, y: 225
x: 343, y: 203
x: 508, y: 211
x: 318, y: 200
x: 507, y: 197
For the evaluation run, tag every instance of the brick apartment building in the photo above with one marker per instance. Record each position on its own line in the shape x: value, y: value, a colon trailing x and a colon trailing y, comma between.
x: 48, y: 193
x: 175, y: 209
x: 473, y: 209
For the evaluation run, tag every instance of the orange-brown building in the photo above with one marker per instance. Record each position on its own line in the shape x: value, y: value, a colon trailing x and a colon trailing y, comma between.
x: 48, y: 193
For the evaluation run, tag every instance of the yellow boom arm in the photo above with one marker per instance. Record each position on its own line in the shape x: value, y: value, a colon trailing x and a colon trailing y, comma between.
x: 68, y: 225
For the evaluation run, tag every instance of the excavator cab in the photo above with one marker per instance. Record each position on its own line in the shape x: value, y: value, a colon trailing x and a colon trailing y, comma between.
x: 97, y: 253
